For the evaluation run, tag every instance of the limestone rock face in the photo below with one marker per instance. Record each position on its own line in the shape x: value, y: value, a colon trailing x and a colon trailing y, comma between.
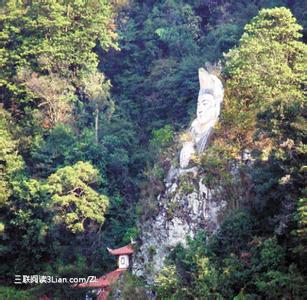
x: 209, y: 102
x: 186, y: 205
x: 181, y: 214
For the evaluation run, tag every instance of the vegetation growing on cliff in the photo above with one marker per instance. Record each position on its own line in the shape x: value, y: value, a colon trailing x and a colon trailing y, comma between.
x: 93, y: 96
x: 259, y: 250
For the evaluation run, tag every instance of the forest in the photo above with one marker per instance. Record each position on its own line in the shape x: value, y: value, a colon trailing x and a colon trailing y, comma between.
x: 95, y: 98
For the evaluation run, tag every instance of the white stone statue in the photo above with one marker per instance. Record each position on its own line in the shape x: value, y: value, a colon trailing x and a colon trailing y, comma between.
x: 209, y: 102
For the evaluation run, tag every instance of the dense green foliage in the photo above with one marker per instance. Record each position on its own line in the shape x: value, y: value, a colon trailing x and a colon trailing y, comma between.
x: 234, y: 263
x: 94, y: 95
x: 53, y: 170
x: 259, y: 252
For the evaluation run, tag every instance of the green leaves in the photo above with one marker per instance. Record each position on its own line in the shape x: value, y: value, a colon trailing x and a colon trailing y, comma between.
x: 275, y: 279
x: 54, y: 42
x: 240, y: 265
x: 264, y: 67
x: 277, y: 24
x: 61, y: 34
x: 11, y: 163
x: 162, y: 138
x: 14, y: 294
x: 177, y: 27
x: 74, y: 198
x: 54, y: 203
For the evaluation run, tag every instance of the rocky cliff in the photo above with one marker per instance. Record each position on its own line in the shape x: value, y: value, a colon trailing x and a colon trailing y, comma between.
x: 186, y: 205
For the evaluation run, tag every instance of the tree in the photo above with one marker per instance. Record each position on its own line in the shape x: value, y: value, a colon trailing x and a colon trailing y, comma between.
x: 56, y: 97
x: 11, y: 163
x: 168, y: 286
x: 61, y: 153
x: 75, y: 201
x: 267, y: 65
x: 96, y: 89
x: 56, y: 150
x: 53, y: 39
x: 27, y: 222
x: 162, y: 138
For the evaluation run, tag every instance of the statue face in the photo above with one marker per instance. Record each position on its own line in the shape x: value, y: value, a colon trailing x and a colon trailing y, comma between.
x: 205, y: 106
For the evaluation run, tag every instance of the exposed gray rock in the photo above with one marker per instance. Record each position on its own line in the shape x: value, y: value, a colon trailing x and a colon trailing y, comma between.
x: 186, y: 205
x: 180, y: 216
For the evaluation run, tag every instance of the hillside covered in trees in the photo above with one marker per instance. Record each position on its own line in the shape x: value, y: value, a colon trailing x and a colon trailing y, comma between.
x: 95, y: 99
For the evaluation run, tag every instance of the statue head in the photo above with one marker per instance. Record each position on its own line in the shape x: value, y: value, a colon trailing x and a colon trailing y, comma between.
x: 210, y: 95
x: 205, y: 80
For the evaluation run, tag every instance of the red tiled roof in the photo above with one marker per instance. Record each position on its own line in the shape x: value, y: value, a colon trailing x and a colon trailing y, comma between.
x: 104, y: 281
x: 122, y: 251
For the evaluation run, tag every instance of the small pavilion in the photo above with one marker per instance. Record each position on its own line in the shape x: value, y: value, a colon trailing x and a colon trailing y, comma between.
x: 123, y: 254
x: 103, y: 286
